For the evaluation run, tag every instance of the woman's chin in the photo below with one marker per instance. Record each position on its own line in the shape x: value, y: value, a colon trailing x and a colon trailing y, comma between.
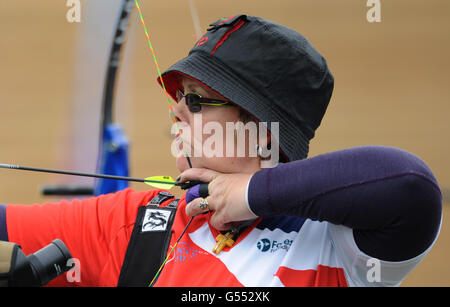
x: 182, y: 163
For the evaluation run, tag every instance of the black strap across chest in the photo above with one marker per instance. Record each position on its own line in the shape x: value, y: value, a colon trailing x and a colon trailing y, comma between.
x: 149, y: 242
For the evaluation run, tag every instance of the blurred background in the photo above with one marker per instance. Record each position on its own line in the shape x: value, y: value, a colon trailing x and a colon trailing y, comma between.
x: 392, y: 86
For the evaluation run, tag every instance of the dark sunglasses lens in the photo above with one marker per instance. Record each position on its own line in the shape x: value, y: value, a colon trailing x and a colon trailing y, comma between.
x: 192, y: 101
x: 194, y: 108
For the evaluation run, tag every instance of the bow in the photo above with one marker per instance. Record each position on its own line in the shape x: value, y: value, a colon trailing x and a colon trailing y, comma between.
x: 113, y: 147
x: 113, y: 143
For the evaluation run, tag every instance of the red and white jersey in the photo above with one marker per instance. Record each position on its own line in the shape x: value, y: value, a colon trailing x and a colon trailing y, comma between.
x: 278, y: 251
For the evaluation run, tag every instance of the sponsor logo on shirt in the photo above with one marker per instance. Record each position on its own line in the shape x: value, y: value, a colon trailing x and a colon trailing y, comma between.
x: 183, y: 252
x: 272, y: 246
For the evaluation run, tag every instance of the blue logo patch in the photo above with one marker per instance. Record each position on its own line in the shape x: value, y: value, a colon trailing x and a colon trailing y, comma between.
x: 263, y: 245
x: 266, y: 245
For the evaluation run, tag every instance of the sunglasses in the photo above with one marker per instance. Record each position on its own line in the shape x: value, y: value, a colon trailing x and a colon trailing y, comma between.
x: 195, y: 102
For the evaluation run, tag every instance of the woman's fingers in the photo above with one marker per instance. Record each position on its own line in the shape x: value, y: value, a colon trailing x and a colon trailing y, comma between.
x: 198, y: 206
x: 226, y: 197
x: 201, y: 174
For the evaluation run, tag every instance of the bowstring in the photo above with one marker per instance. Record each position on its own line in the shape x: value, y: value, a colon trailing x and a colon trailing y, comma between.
x: 176, y: 125
x: 172, y: 114
x: 171, y: 251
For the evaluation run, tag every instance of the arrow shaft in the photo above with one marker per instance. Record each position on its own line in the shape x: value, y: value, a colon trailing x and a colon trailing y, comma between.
x: 72, y: 173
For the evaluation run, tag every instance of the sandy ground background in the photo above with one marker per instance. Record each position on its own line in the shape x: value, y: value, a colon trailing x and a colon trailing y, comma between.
x: 392, y: 86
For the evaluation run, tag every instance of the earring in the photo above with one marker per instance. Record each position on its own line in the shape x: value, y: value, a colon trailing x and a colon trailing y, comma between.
x: 258, y: 150
x: 261, y: 153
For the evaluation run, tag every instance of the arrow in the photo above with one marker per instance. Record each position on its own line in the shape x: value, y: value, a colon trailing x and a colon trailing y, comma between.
x: 160, y: 182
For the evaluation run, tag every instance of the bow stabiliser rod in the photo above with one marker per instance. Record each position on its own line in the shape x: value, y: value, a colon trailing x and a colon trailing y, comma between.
x: 165, y: 182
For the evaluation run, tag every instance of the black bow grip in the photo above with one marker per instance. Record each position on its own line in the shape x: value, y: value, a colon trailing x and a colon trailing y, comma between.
x: 203, y: 189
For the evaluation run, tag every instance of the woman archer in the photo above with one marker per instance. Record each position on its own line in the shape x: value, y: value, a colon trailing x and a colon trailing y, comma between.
x: 302, y: 222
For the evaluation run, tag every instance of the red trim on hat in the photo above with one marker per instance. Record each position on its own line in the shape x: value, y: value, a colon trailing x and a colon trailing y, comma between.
x: 172, y: 84
x: 231, y: 30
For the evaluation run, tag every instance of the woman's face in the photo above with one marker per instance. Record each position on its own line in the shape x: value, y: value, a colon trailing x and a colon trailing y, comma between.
x: 205, y: 138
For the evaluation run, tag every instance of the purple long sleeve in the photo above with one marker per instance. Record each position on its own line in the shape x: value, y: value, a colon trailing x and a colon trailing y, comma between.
x: 389, y: 197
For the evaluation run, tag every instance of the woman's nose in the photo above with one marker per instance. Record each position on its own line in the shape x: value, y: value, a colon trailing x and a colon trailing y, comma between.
x: 176, y: 112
